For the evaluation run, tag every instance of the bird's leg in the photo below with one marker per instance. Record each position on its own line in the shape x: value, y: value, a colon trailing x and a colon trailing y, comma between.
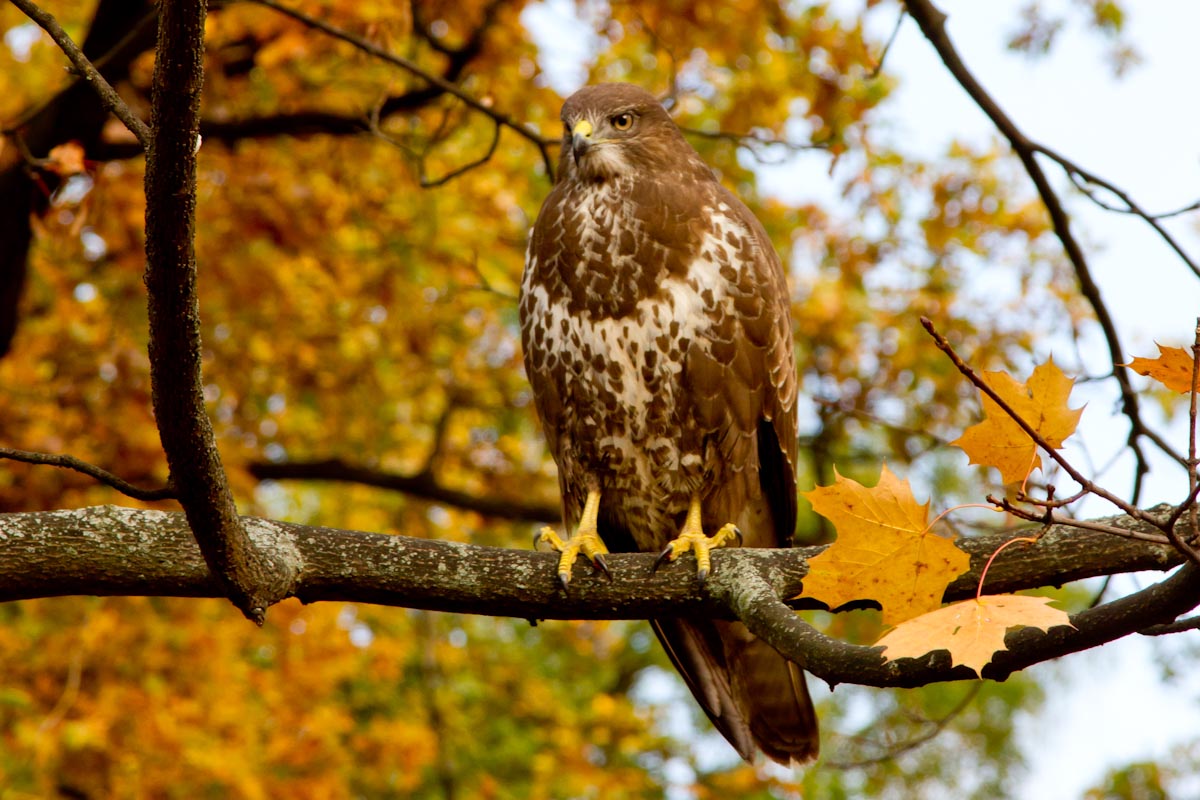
x: 586, y: 540
x: 692, y: 537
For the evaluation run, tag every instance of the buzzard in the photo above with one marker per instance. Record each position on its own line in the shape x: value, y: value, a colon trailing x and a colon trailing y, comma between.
x: 654, y: 321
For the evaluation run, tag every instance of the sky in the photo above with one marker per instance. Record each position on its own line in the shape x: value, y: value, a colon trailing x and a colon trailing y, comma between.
x: 1108, y: 706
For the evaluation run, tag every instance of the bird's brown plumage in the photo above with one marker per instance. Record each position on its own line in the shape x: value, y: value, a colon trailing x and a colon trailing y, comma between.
x: 654, y: 319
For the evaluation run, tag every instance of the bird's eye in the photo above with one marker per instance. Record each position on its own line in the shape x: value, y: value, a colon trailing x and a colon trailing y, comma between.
x: 622, y: 122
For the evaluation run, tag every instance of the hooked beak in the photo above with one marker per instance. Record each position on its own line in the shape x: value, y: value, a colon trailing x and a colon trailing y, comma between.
x: 581, y: 139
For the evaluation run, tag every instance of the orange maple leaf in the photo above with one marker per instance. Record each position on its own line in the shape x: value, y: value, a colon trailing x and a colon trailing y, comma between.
x: 1000, y: 442
x: 1172, y: 368
x: 972, y: 630
x: 884, y: 549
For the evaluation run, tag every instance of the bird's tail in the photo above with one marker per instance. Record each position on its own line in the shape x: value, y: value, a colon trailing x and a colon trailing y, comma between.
x: 754, y: 696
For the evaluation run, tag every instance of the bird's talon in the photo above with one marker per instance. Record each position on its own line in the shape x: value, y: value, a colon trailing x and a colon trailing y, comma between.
x: 667, y: 554
x: 599, y: 563
x: 564, y: 580
x: 701, y: 575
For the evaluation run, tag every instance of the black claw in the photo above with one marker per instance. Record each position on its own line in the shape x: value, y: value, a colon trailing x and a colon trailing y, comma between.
x: 564, y: 580
x: 663, y: 557
x: 599, y: 563
x: 738, y: 533
x: 701, y: 576
x: 537, y: 539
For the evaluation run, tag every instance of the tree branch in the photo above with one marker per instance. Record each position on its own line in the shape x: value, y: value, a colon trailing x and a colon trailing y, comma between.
x: 108, y: 95
x: 422, y: 485
x: 413, y: 68
x: 932, y: 23
x: 253, y: 578
x: 109, y: 550
x: 91, y: 470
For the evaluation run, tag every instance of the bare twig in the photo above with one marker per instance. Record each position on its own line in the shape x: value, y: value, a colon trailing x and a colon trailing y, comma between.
x: 88, y: 72
x: 1077, y: 174
x: 887, y: 47
x: 1192, y: 482
x: 413, y: 68
x: 91, y: 470
x: 944, y: 345
x: 131, y: 37
x: 936, y: 726
x: 1178, y: 626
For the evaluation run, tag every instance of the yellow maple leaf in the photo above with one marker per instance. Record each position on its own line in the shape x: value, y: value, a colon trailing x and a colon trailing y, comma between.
x: 1000, y: 442
x: 884, y: 550
x: 1172, y: 368
x: 973, y: 630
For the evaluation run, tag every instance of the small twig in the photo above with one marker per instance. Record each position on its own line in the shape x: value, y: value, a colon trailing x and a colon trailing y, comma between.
x: 1077, y: 173
x: 1192, y: 482
x: 1178, y: 626
x: 108, y: 95
x: 430, y: 183
x: 887, y: 47
x: 413, y: 68
x: 1048, y: 517
x: 134, y: 33
x: 895, y: 751
x: 91, y: 470
x: 944, y: 345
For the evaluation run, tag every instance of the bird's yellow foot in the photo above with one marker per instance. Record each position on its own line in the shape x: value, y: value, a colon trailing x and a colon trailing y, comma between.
x: 692, y: 538
x: 586, y: 541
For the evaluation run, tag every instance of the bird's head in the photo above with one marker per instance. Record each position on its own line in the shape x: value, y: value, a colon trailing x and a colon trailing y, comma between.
x: 616, y: 129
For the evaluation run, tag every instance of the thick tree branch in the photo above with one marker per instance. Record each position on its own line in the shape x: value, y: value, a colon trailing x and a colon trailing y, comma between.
x: 422, y: 485
x: 932, y: 23
x: 110, y: 550
x: 253, y: 578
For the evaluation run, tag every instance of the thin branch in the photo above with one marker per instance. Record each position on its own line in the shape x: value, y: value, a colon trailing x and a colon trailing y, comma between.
x: 936, y: 726
x: 132, y: 37
x: 413, y: 68
x: 932, y: 23
x: 423, y: 485
x: 1078, y: 173
x: 108, y: 95
x: 1178, y: 626
x: 91, y: 470
x: 887, y: 47
x: 944, y: 345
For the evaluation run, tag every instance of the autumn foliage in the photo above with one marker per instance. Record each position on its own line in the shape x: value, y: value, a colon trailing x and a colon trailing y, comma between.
x: 359, y: 239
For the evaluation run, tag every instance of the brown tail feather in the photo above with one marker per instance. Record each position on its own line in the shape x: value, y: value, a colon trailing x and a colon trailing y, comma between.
x: 754, y: 696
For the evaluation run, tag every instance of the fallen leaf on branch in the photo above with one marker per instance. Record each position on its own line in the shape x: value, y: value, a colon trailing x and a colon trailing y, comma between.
x: 973, y: 630
x: 1000, y: 442
x: 884, y: 549
x: 1172, y: 368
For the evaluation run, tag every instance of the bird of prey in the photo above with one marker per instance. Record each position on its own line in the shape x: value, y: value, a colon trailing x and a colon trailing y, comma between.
x: 656, y: 335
